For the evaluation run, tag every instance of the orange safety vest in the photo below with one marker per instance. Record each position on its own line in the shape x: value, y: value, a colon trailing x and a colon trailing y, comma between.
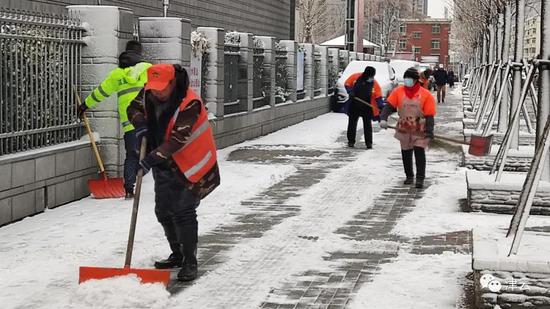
x: 198, y: 156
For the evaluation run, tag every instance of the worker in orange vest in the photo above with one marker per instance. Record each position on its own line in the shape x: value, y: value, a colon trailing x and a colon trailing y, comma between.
x: 415, y: 127
x: 365, y: 88
x: 182, y: 156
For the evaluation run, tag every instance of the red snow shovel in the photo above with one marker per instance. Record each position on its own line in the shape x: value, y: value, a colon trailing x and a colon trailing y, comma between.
x: 146, y: 275
x: 478, y: 146
x: 103, y: 187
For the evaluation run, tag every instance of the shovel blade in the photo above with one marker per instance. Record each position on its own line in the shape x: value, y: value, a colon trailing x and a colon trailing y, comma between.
x: 146, y: 275
x: 107, y: 188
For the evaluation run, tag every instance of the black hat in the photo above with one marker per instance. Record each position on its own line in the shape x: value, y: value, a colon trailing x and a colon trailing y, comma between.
x: 369, y: 72
x: 412, y: 73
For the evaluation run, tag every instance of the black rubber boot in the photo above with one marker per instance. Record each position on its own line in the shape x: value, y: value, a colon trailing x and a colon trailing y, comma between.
x: 407, y: 157
x: 420, y: 158
x: 175, y: 259
x: 189, y: 268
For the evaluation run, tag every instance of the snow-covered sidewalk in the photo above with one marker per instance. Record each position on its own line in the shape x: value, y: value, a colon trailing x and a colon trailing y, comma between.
x: 299, y: 221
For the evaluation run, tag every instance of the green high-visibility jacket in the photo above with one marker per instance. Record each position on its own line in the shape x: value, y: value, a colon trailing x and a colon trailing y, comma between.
x: 127, y: 83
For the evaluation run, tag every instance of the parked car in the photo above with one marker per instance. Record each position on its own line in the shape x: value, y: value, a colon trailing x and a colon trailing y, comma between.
x: 385, y: 76
x: 400, y: 66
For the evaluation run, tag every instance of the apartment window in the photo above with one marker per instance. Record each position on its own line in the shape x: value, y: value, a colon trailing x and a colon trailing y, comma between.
x: 417, y: 35
x: 417, y: 50
x: 436, y: 28
x: 436, y: 44
x: 402, y: 44
x: 402, y: 29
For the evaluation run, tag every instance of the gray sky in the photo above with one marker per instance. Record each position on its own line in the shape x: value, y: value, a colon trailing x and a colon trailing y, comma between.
x: 436, y: 8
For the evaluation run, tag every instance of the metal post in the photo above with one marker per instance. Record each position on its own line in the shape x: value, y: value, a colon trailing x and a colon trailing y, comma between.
x: 544, y: 78
x: 499, y: 101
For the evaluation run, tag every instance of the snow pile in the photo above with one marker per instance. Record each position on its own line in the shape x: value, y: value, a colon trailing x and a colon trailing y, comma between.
x: 416, y: 281
x: 120, y: 292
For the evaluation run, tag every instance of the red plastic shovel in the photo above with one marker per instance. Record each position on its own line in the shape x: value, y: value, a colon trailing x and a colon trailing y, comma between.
x: 146, y: 275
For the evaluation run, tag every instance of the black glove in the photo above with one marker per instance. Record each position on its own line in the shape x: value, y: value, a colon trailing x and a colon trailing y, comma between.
x: 82, y: 108
x: 149, y: 161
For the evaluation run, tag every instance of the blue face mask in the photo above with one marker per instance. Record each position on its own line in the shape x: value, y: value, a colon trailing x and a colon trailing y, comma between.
x: 409, y: 82
x: 370, y: 80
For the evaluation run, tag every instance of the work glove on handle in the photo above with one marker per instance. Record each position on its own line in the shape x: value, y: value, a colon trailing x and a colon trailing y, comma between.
x: 140, y: 131
x: 82, y: 108
x: 148, y: 162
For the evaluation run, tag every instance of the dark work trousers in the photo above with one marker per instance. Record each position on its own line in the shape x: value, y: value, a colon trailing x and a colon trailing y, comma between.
x: 131, y: 162
x: 420, y: 158
x: 352, y: 127
x: 175, y: 208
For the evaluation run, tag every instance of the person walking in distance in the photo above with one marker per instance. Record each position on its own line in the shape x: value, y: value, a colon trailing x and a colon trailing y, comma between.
x: 441, y: 79
x: 366, y: 88
x: 416, y: 108
x: 182, y: 156
x: 127, y: 81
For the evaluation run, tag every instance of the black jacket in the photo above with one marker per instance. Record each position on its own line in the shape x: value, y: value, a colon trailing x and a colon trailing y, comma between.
x: 441, y: 77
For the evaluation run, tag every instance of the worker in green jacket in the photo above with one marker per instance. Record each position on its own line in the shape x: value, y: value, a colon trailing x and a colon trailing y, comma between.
x: 127, y: 81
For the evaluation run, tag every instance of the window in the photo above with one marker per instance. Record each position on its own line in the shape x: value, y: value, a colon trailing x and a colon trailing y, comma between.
x: 402, y: 29
x: 417, y: 50
x: 436, y: 28
x: 436, y: 44
x: 417, y: 35
x: 402, y: 44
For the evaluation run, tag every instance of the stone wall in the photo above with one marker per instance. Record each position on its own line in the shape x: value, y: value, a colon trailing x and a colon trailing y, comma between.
x: 519, y: 290
x: 35, y: 180
x: 513, y: 163
x: 504, y: 201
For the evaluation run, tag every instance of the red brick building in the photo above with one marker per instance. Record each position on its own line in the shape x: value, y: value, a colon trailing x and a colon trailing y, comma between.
x: 423, y: 40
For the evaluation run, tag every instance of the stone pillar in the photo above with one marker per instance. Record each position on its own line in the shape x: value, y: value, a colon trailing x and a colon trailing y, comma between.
x: 323, y: 79
x: 214, y: 76
x: 308, y: 68
x: 352, y: 56
x: 246, y: 69
x: 344, y: 54
x: 291, y: 48
x: 166, y: 39
x: 269, y: 66
x: 334, y: 53
x: 108, y: 28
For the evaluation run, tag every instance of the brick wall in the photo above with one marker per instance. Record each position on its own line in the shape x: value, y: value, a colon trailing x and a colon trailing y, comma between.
x: 261, y: 17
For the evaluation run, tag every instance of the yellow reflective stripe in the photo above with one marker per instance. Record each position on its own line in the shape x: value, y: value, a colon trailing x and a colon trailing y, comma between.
x: 103, y: 93
x: 129, y: 90
x: 197, y: 167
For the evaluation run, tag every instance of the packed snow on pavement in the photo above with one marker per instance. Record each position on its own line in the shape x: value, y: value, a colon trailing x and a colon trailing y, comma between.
x: 41, y: 254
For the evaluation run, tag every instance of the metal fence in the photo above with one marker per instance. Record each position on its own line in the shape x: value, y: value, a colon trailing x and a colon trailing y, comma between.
x: 317, y: 86
x: 260, y: 86
x: 332, y: 73
x: 232, y: 103
x: 39, y: 63
x: 281, y: 77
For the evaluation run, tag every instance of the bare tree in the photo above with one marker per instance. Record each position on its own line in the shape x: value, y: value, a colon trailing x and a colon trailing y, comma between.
x: 312, y: 16
x: 384, y: 19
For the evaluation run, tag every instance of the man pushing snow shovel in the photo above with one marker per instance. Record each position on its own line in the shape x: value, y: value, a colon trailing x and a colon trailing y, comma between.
x: 182, y: 156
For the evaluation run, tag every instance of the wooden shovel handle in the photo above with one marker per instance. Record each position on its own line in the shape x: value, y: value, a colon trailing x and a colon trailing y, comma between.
x: 90, y: 134
x: 435, y: 136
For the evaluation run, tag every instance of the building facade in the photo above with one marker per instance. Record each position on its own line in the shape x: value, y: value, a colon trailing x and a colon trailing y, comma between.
x: 531, y: 47
x: 423, y: 40
x: 420, y: 7
x: 261, y: 17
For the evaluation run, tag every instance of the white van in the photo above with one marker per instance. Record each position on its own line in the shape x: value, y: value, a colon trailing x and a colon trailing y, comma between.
x: 400, y: 66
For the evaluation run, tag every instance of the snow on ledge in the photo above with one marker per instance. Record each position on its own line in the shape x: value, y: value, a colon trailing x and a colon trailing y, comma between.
x: 510, y: 181
x: 522, y: 152
x: 522, y: 134
x: 491, y: 248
